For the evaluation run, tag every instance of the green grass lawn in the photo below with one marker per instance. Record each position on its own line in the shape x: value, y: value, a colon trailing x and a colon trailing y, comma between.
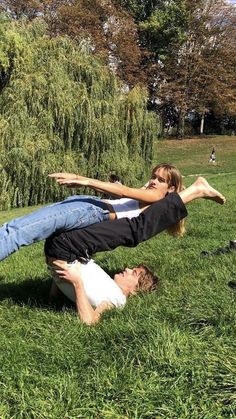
x: 192, y: 155
x: 170, y: 354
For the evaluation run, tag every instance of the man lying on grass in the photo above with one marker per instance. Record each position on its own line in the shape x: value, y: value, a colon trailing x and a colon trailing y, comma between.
x: 89, y: 286
x: 94, y: 291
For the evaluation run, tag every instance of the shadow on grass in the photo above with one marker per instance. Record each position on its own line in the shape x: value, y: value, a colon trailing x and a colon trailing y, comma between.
x: 33, y: 293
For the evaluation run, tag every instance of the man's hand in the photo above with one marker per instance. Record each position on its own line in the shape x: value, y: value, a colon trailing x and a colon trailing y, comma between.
x: 70, y: 273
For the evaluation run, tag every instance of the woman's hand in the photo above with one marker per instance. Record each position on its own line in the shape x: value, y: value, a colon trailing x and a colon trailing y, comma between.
x: 62, y: 175
x: 73, y: 183
x: 70, y: 180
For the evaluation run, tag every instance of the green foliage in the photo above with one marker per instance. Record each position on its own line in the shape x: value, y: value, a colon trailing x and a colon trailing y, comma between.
x: 190, y: 43
x: 141, y: 9
x: 165, y: 29
x: 170, y: 354
x: 61, y: 109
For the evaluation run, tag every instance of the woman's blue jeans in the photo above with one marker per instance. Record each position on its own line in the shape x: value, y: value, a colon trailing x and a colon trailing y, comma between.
x: 77, y: 211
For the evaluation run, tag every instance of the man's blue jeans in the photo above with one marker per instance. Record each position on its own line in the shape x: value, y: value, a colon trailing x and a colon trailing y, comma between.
x: 75, y: 212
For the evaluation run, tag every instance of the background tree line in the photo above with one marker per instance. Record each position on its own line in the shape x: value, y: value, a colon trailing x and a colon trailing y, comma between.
x: 84, y: 84
x: 189, y: 62
x: 62, y: 109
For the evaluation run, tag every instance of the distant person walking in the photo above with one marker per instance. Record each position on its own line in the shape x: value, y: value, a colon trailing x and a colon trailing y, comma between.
x: 212, y: 156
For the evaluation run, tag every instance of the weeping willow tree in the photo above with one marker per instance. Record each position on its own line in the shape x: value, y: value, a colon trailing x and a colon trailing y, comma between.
x: 62, y: 110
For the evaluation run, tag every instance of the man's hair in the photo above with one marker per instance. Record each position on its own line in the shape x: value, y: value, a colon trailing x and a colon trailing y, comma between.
x: 147, y: 281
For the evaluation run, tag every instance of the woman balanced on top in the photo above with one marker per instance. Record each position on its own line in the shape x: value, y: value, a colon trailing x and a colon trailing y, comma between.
x: 79, y: 211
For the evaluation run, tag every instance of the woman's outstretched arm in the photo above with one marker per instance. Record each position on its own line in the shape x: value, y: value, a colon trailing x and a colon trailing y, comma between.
x: 121, y: 191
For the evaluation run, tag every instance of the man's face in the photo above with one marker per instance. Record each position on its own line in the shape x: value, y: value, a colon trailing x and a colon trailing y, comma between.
x: 158, y: 180
x: 129, y: 277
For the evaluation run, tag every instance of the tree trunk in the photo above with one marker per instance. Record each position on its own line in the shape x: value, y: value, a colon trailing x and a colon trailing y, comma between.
x: 181, y: 125
x: 202, y: 123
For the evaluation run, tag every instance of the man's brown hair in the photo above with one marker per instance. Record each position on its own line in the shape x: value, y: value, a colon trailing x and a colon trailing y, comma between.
x: 147, y: 281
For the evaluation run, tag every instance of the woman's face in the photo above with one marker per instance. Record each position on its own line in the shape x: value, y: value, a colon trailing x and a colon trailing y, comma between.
x: 158, y: 178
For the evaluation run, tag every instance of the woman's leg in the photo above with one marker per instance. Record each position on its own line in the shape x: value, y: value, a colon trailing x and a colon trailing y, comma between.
x: 201, y: 189
x: 74, y: 212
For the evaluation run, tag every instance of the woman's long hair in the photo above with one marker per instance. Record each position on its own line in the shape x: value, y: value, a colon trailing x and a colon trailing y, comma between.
x: 175, y: 179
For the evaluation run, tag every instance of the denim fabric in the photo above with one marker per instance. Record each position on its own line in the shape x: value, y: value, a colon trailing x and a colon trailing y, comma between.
x: 72, y: 213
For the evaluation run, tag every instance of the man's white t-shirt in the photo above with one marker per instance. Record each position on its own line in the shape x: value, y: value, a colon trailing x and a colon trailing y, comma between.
x: 99, y: 286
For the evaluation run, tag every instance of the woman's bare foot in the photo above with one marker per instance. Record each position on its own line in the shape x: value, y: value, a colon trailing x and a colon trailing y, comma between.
x: 201, y: 189
x: 206, y: 191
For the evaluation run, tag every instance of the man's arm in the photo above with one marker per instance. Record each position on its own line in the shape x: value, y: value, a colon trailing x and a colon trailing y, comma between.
x: 71, y: 274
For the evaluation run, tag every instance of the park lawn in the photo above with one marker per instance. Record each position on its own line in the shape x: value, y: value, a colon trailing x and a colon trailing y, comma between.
x: 192, y: 155
x: 170, y: 354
